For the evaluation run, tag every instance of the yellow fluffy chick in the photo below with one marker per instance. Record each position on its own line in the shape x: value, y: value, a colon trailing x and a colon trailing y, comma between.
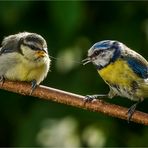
x: 24, y: 57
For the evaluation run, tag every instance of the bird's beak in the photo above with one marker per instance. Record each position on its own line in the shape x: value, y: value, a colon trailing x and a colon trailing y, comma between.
x: 86, y: 61
x: 40, y: 53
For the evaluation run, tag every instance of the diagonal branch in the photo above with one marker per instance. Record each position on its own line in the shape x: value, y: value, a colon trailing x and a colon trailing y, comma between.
x: 48, y: 93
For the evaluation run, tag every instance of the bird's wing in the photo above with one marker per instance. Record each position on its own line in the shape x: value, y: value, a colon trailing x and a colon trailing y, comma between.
x: 8, y: 48
x: 138, y: 64
x: 4, y: 50
x: 10, y: 44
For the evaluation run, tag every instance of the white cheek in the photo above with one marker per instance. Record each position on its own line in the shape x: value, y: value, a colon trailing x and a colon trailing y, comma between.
x: 103, y: 59
x: 28, y: 53
x: 100, y: 61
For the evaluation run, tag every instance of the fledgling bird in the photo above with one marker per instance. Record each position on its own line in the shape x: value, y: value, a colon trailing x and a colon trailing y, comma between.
x: 24, y: 57
x: 124, y: 70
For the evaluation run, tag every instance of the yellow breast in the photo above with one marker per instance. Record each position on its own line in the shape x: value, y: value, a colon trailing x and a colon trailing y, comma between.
x: 28, y: 70
x: 118, y: 73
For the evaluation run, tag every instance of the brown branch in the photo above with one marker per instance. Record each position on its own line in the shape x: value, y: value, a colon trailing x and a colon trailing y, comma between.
x: 64, y: 97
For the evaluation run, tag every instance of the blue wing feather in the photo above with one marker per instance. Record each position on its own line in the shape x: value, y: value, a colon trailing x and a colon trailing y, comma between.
x: 138, y: 66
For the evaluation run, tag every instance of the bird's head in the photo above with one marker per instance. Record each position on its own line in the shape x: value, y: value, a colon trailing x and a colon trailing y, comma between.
x: 32, y: 46
x: 103, y: 53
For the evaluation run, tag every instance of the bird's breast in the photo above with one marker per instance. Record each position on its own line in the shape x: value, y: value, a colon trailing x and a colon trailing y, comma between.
x: 27, y: 70
x: 118, y: 73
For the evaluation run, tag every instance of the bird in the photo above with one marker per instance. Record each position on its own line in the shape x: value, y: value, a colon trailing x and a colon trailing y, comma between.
x: 123, y: 69
x: 24, y: 57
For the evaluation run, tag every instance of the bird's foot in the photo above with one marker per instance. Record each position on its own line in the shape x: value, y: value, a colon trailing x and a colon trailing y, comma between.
x: 91, y: 98
x: 131, y: 111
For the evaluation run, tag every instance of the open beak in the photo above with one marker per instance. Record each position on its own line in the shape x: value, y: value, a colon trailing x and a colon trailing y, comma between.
x: 86, y: 61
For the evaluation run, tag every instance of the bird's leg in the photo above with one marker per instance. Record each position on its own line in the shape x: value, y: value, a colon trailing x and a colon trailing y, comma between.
x: 131, y: 111
x: 33, y: 86
x: 2, y: 79
x: 90, y: 98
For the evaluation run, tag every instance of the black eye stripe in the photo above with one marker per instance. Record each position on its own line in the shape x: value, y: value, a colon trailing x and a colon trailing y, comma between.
x: 100, y: 51
x: 97, y: 52
x: 32, y: 46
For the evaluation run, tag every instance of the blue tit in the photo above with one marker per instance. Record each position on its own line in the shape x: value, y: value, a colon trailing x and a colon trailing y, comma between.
x: 124, y: 70
x: 24, y: 57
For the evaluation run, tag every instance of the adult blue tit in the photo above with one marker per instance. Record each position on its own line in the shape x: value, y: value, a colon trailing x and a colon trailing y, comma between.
x: 124, y: 70
x: 24, y: 57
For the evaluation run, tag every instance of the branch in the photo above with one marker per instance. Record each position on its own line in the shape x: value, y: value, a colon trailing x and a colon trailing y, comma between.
x: 48, y: 93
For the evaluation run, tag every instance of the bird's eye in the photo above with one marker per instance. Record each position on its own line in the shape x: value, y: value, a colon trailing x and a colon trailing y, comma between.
x: 97, y: 52
x: 32, y: 47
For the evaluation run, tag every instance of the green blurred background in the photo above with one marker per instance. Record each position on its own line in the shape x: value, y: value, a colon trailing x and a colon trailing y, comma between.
x: 70, y: 29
